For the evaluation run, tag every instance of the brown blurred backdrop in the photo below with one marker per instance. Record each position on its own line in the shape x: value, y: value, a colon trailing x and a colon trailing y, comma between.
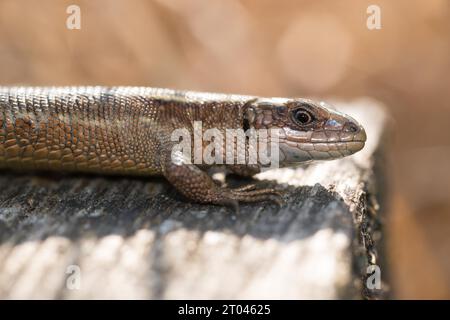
x: 275, y: 48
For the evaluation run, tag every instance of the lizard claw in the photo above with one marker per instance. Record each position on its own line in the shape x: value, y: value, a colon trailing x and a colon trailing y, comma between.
x: 246, y: 187
x: 249, y: 193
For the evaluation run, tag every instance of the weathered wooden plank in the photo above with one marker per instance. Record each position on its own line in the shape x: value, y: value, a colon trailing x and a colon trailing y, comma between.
x: 137, y: 238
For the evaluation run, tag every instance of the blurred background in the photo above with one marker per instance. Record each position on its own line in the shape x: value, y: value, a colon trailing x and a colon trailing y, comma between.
x: 276, y: 48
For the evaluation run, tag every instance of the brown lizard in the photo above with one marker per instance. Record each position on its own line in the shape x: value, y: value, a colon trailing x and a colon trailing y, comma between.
x: 128, y: 131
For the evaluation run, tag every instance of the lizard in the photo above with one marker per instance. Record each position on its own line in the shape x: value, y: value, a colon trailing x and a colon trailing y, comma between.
x: 128, y: 131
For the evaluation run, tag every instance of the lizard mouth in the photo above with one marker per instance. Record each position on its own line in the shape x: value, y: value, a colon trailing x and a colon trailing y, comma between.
x: 294, y: 152
x: 298, y: 146
x: 355, y: 146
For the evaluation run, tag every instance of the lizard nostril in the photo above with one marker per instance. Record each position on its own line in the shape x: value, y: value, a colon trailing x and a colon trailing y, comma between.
x: 351, y: 127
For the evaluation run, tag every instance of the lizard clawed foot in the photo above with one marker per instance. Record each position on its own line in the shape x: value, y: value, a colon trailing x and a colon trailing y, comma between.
x: 248, y: 193
x: 197, y: 185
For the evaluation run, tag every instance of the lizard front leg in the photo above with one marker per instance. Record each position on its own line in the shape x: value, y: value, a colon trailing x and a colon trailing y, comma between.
x: 197, y: 185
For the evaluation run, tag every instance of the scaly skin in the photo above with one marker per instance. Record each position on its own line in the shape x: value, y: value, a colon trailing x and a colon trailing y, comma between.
x: 127, y: 131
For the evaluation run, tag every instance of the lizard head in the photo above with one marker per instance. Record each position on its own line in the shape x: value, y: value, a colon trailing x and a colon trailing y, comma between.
x: 308, y: 130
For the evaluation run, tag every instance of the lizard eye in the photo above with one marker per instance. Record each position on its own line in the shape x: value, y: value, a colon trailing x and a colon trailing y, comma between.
x: 302, y: 116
